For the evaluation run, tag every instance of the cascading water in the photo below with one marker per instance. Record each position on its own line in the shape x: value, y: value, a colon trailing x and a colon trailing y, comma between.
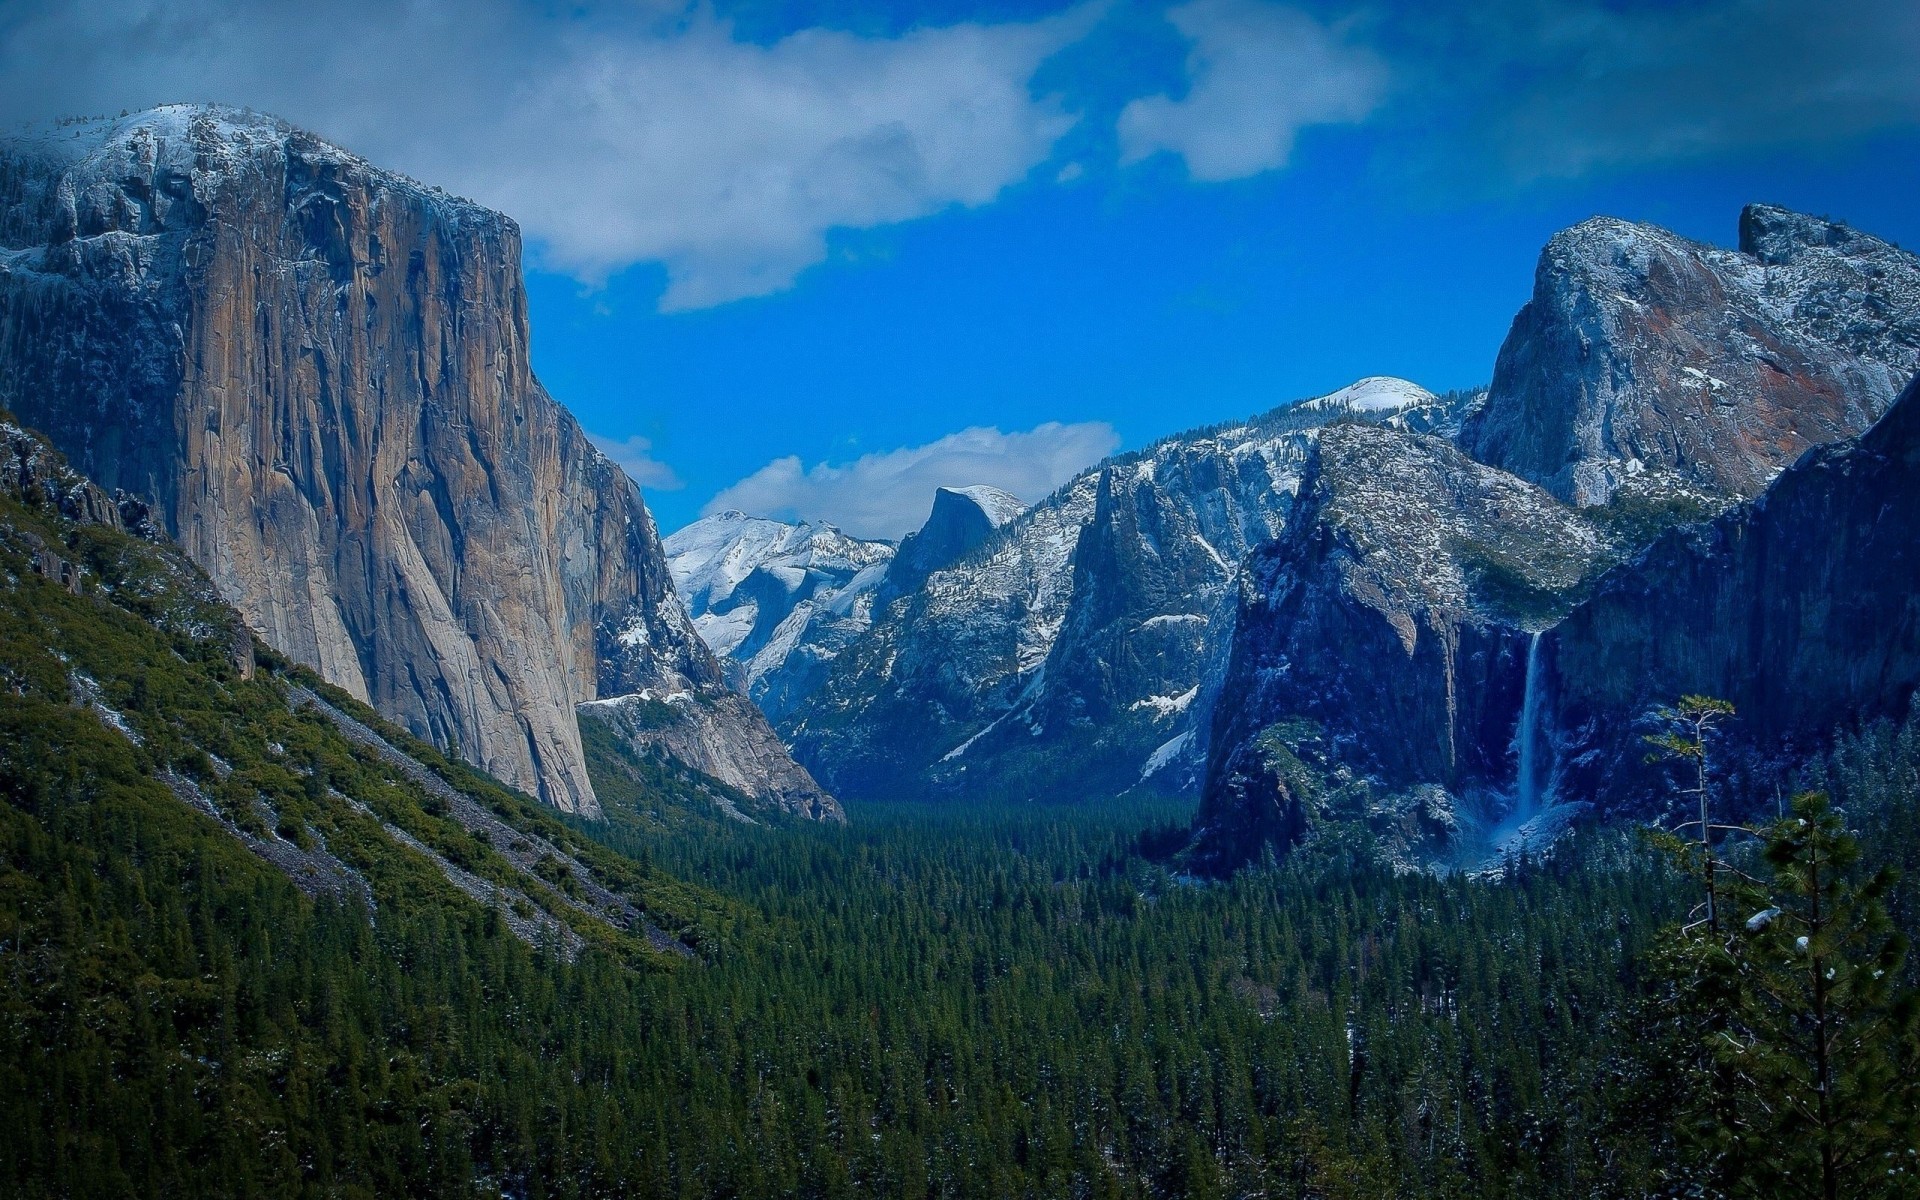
x: 1526, y: 738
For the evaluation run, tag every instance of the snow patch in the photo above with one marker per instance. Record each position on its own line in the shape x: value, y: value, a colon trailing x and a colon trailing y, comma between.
x: 1168, y: 750
x: 1167, y: 706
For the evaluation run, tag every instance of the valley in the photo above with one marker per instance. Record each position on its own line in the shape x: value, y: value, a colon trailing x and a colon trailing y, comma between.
x: 1294, y: 805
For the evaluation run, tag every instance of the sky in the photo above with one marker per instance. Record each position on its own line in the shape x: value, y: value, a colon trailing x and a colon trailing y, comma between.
x: 814, y: 258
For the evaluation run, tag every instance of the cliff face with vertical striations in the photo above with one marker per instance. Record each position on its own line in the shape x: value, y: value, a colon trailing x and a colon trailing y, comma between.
x: 318, y: 373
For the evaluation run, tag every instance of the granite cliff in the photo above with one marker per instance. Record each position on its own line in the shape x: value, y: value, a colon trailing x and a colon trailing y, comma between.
x: 1666, y: 371
x: 1802, y: 607
x: 317, y: 373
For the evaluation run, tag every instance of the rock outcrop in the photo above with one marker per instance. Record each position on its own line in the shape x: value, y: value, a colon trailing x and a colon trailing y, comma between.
x: 1069, y: 655
x: 961, y: 520
x: 317, y: 372
x: 1388, y: 627
x: 1671, y: 373
x: 1801, y: 607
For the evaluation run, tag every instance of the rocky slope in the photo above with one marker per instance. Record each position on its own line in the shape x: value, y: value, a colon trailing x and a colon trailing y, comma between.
x: 1386, y: 632
x: 124, y: 667
x: 1672, y: 372
x: 1801, y: 607
x: 1067, y: 655
x: 317, y: 372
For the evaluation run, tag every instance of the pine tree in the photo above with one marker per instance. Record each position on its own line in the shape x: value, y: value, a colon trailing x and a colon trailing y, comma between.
x: 1796, y: 1045
x: 1688, y: 727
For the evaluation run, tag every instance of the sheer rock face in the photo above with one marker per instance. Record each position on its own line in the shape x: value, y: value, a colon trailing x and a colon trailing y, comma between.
x: 1647, y: 364
x: 1802, y: 607
x: 318, y: 373
x: 1076, y: 652
x: 1392, y: 619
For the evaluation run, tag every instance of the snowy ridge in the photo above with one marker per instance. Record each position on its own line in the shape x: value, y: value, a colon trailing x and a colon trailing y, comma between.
x: 760, y: 592
x: 1081, y: 629
x: 1000, y: 507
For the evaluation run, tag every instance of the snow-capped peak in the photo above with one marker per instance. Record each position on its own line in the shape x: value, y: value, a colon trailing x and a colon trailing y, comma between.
x: 1375, y: 393
x: 1000, y: 507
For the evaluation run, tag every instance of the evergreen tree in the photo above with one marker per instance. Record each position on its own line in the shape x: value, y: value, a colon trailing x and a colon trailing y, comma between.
x: 1688, y: 726
x: 1792, y: 1046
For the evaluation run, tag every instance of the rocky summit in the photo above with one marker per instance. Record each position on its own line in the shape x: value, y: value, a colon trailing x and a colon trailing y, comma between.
x: 316, y: 371
x: 1663, y: 371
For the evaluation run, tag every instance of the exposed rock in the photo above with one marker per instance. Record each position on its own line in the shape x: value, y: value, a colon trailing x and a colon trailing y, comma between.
x: 961, y: 520
x: 1801, y: 607
x: 1668, y: 371
x: 716, y: 735
x: 1068, y: 654
x: 1392, y: 619
x: 776, y: 602
x: 317, y: 371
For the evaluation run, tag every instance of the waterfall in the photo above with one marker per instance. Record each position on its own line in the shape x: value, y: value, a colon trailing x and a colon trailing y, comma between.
x: 1526, y: 784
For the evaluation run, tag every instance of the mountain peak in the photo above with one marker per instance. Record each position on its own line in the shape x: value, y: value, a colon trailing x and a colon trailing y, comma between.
x: 1777, y: 236
x: 961, y: 519
x: 1802, y: 336
x: 1375, y: 393
x: 999, y: 507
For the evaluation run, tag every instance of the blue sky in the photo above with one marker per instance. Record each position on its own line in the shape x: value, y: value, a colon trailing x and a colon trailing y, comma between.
x: 814, y: 258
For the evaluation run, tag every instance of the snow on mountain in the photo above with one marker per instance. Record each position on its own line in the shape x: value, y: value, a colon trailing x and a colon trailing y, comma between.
x: 1376, y: 393
x: 1650, y: 364
x: 775, y: 601
x: 1049, y: 658
x: 1000, y: 507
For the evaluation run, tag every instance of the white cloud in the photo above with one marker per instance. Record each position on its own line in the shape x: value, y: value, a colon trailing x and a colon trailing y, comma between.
x: 1259, y: 73
x: 889, y: 494
x: 615, y: 137
x: 635, y: 457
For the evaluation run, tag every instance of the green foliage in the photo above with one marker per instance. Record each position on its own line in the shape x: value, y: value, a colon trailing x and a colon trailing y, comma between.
x: 1789, y: 1051
x: 1636, y: 519
x: 1008, y: 1001
x: 1531, y: 585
